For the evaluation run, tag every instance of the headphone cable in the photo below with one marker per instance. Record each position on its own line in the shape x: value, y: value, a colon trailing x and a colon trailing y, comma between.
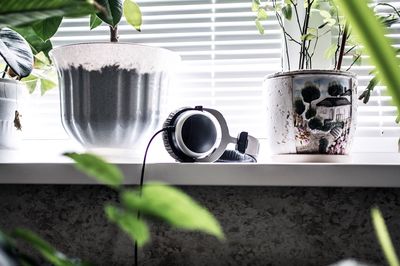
x: 142, y: 178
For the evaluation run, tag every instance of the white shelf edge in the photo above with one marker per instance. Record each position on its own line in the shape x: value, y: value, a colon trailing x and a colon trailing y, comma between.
x: 312, y: 175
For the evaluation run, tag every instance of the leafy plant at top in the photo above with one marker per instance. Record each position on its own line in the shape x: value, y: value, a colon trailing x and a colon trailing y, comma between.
x: 383, y: 56
x: 114, y: 9
x: 383, y: 236
x: 15, y: 13
x: 155, y: 199
x: 332, y: 22
x: 36, y: 21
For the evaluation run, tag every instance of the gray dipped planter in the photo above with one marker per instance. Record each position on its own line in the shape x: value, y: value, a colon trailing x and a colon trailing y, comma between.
x: 112, y: 93
x: 311, y: 111
x: 11, y: 95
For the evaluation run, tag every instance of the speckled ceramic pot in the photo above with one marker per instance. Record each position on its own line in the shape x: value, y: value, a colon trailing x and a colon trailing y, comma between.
x: 12, y: 93
x: 311, y: 111
x: 112, y: 93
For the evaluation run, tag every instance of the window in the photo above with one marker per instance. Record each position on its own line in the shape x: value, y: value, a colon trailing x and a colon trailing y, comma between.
x: 225, y: 61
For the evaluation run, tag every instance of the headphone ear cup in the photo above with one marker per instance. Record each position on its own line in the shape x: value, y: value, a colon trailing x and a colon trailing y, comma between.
x: 235, y: 156
x: 168, y: 139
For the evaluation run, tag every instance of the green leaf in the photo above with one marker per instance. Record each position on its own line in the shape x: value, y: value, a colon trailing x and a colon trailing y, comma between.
x: 287, y: 12
x: 8, y: 254
x: 255, y: 5
x: 262, y: 14
x: 17, y: 13
x: 331, y: 22
x: 308, y: 37
x: 260, y: 27
x: 330, y: 52
x: 97, y: 168
x: 172, y: 206
x: 16, y: 52
x: 325, y: 14
x: 95, y: 21
x: 363, y: 21
x: 357, y: 59
x: 135, y: 228
x: 133, y: 14
x: 46, y: 85
x: 384, y: 238
x: 41, y: 61
x: 37, y: 44
x: 45, y: 79
x: 112, y: 12
x: 387, y: 21
x: 365, y: 95
x: 45, y: 29
x: 44, y: 248
x: 31, y: 82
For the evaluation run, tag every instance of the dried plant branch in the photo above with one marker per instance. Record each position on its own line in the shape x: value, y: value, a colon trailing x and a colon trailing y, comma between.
x: 342, y: 46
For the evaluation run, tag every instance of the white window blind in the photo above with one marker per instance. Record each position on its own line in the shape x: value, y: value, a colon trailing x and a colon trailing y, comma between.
x: 225, y: 60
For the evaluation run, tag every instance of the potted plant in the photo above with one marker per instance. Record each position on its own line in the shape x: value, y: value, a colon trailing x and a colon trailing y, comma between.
x: 25, y: 31
x: 312, y: 109
x: 112, y: 92
x: 18, y: 58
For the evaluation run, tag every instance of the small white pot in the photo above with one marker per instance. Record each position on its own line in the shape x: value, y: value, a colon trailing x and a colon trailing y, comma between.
x: 311, y: 111
x: 11, y: 95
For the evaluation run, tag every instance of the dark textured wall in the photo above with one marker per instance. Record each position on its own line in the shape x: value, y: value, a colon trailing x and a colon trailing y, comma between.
x: 263, y: 225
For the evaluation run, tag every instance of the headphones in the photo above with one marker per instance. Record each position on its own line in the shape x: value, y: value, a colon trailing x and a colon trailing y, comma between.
x: 201, y: 135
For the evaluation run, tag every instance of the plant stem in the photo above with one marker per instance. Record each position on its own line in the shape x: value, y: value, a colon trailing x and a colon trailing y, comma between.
x: 285, y: 34
x: 114, y: 34
x: 354, y: 61
x: 351, y: 49
x: 339, y: 34
x: 297, y: 14
x: 391, y: 6
x: 5, y: 72
x: 303, y: 53
x: 342, y: 46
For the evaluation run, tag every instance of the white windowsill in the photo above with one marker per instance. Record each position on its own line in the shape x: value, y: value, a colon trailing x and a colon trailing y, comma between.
x: 39, y: 162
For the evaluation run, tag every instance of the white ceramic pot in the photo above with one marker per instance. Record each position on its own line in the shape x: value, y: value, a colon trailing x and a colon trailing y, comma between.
x: 11, y: 96
x: 311, y: 111
x: 112, y: 93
